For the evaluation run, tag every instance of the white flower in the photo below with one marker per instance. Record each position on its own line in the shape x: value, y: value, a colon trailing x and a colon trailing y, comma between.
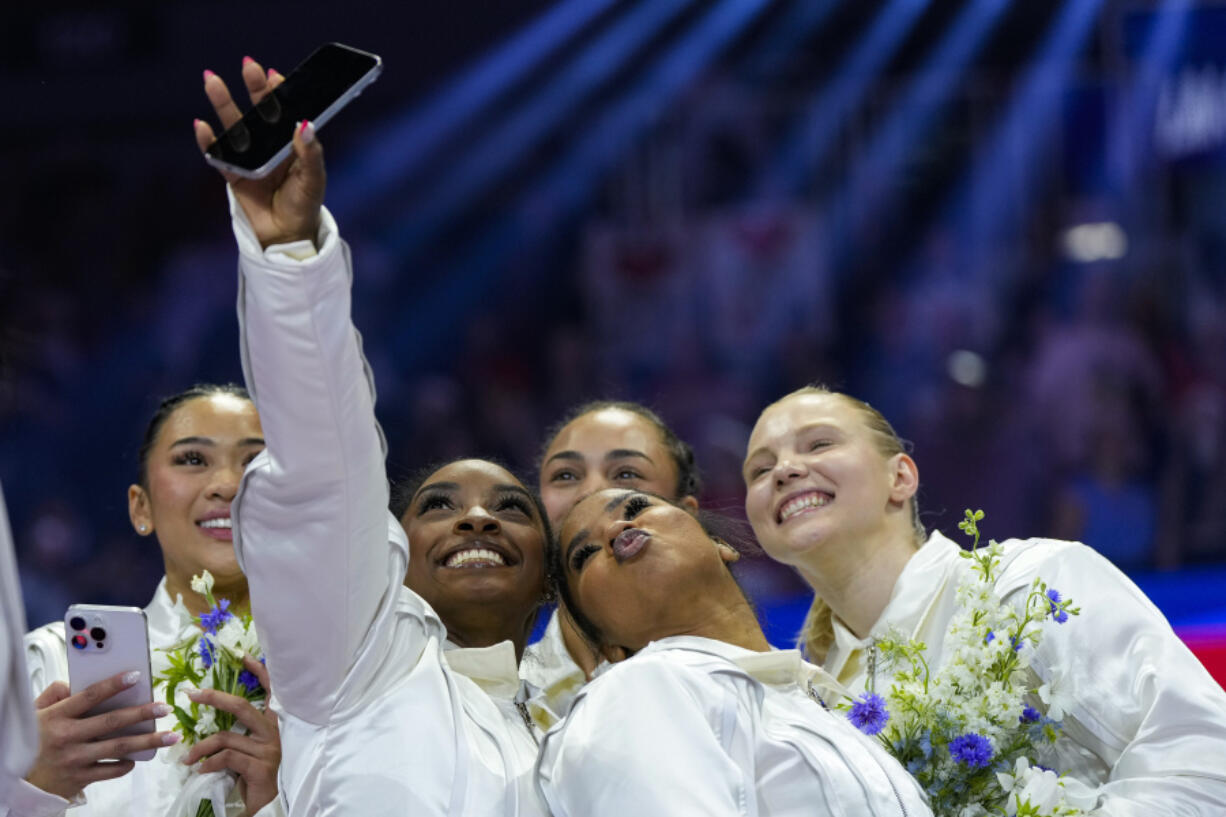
x: 234, y: 638
x: 1008, y: 781
x: 203, y: 584
x: 1055, y: 694
x: 206, y: 724
x: 1041, y: 788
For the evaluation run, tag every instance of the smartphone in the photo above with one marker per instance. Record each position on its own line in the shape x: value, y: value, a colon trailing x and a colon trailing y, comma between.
x: 320, y: 86
x: 105, y: 641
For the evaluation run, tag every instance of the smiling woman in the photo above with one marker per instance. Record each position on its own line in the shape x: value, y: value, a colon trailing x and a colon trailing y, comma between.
x: 194, y: 452
x: 697, y: 715
x: 831, y: 491
x: 603, y: 444
x: 476, y: 550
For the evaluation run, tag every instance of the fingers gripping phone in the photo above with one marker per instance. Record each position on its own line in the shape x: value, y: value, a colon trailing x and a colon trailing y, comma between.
x: 320, y: 86
x: 104, y: 641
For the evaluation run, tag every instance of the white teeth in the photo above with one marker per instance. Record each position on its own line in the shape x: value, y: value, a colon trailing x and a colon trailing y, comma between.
x: 222, y: 522
x: 813, y: 500
x: 473, y: 556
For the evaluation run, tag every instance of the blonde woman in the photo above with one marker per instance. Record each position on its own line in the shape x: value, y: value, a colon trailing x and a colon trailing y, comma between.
x: 831, y: 491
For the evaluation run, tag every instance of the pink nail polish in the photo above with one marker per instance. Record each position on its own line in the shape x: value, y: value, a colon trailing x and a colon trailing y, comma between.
x: 207, y: 74
x: 171, y: 738
x: 307, y: 131
x: 247, y: 60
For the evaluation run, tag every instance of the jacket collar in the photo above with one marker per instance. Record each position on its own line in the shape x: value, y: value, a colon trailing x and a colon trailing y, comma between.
x: 492, y: 668
x: 915, y: 592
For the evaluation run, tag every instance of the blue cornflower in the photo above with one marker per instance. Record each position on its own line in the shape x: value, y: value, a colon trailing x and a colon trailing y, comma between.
x: 869, y: 714
x: 1029, y: 715
x: 989, y: 638
x: 208, y: 652
x: 249, y: 680
x: 1016, y: 643
x: 1054, y: 609
x: 971, y: 749
x: 219, y: 615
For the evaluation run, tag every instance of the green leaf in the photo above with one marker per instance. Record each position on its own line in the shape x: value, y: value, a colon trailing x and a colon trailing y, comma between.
x: 185, y: 720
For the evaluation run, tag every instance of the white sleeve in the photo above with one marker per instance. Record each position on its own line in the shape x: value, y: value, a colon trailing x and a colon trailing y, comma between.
x: 1140, y: 698
x: 323, y: 557
x: 646, y: 740
x: 18, y: 725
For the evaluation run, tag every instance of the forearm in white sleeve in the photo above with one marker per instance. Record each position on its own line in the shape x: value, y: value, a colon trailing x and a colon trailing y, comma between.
x: 311, y: 522
x: 1139, y: 692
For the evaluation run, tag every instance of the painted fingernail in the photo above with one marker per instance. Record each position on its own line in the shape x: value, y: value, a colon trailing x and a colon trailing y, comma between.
x: 273, y: 72
x: 130, y: 678
x: 195, y: 123
x: 193, y: 695
x: 307, y: 131
x: 171, y: 738
x: 207, y: 74
x: 247, y: 60
x: 160, y: 710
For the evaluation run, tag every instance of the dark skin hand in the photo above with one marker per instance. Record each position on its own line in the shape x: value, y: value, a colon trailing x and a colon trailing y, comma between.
x: 284, y: 205
x: 70, y: 754
x: 255, y: 756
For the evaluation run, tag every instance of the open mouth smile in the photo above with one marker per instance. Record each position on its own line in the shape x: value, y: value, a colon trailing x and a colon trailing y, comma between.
x: 477, y: 555
x: 806, y: 502
x: 217, y: 527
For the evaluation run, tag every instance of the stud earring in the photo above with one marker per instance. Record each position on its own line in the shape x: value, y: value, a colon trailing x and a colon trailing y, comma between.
x: 143, y: 528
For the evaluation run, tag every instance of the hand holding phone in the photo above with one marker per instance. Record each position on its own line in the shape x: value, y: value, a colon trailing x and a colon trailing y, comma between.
x: 74, y: 747
x: 105, y: 641
x: 283, y: 206
x: 326, y: 81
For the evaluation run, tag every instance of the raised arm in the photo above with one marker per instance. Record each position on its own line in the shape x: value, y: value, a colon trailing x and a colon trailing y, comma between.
x: 1139, y: 698
x: 312, y: 530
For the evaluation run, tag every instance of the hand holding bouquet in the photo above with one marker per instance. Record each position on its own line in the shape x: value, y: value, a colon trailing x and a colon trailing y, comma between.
x: 216, y: 682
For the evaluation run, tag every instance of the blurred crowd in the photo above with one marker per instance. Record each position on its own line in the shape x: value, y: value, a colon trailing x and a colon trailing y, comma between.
x: 1082, y: 401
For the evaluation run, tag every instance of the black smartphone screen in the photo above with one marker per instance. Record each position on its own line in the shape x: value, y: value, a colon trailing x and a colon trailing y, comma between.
x: 327, y: 77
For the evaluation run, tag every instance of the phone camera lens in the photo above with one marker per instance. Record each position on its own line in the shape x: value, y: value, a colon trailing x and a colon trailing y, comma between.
x: 76, y: 623
x: 99, y: 645
x: 80, y: 642
x: 97, y: 633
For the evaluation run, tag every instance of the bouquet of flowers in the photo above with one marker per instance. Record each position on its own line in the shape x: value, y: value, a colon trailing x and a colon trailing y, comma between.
x: 210, y: 658
x: 966, y: 732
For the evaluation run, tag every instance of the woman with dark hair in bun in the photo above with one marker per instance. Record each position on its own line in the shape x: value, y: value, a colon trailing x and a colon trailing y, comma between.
x: 697, y: 714
x: 190, y: 462
x: 602, y: 444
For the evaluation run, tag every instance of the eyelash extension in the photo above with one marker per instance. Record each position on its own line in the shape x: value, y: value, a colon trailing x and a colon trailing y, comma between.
x: 636, y: 506
x: 513, y: 501
x: 183, y: 457
x: 432, y: 501
x: 582, y: 555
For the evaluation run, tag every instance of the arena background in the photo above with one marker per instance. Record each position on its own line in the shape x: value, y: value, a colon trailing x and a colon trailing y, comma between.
x: 1001, y: 223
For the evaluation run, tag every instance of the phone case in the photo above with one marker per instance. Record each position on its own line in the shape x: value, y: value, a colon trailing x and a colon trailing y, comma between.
x: 344, y: 99
x: 110, y: 641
